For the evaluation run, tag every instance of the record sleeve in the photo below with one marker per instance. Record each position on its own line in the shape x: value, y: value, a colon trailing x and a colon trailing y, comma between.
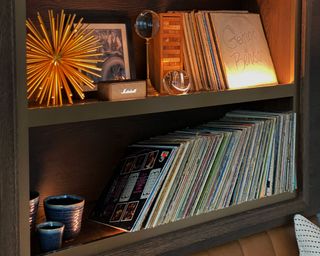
x: 134, y: 186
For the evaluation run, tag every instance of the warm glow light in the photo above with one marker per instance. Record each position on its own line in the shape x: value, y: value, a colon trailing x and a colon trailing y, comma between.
x: 244, y: 50
x: 253, y: 76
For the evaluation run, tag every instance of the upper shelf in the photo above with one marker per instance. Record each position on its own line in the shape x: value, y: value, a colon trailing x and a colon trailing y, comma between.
x: 94, y: 110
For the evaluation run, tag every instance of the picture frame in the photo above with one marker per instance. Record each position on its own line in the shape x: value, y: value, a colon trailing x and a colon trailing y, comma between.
x: 115, y: 36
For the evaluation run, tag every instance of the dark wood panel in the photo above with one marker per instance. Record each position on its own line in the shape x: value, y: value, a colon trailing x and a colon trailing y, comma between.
x: 132, y: 7
x: 9, y: 232
x: 279, y: 20
x: 311, y: 107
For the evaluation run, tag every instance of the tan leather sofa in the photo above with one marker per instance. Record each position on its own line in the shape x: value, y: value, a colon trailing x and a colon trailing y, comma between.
x: 276, y: 242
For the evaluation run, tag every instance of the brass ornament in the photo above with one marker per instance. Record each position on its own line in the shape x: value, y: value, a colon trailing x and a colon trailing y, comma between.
x: 59, y: 58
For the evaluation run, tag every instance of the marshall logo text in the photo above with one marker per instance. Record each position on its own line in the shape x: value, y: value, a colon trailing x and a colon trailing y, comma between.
x: 128, y: 91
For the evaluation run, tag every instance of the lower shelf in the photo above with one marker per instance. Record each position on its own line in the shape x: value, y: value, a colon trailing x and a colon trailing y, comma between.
x: 96, y: 238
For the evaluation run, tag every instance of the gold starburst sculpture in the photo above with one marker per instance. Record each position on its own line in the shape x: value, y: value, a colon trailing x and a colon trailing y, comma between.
x: 58, y: 60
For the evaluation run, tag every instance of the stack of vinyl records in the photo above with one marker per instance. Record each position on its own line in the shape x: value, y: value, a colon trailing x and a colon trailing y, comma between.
x: 226, y: 50
x: 244, y: 156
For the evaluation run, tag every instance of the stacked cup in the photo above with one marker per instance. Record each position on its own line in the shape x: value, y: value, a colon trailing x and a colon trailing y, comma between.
x: 66, y: 209
x: 33, y: 208
x: 50, y: 234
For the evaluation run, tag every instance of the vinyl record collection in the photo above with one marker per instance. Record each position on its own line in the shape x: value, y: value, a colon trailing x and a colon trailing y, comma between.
x: 226, y: 50
x: 246, y: 155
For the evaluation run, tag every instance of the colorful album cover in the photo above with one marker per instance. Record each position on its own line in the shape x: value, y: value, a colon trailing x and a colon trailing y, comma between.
x: 134, y: 187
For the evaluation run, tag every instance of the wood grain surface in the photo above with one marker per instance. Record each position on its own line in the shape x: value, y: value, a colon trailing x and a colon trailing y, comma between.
x: 279, y: 19
x: 311, y: 107
x: 8, y: 174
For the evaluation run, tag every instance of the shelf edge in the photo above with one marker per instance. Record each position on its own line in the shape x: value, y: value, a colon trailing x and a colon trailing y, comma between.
x: 122, y: 243
x: 103, y: 109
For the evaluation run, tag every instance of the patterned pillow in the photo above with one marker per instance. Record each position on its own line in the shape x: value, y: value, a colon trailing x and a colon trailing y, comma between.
x: 308, y: 236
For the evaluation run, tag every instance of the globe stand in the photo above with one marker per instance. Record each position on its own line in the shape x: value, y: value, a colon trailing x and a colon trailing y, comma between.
x: 151, y: 91
x: 147, y: 26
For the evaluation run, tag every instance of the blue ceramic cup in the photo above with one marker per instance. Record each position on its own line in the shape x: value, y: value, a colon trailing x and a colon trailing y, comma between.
x: 50, y: 235
x: 33, y: 208
x: 67, y: 209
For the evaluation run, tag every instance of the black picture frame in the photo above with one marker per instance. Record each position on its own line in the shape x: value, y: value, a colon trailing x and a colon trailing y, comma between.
x: 114, y: 29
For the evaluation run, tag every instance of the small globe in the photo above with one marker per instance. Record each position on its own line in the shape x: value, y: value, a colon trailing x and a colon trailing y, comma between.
x: 176, y: 82
x: 147, y: 24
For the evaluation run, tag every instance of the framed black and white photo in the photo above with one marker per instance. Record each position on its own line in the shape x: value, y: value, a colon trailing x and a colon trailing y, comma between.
x: 114, y: 33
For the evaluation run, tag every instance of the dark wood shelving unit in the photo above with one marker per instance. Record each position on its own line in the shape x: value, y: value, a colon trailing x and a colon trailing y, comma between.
x: 74, y: 148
